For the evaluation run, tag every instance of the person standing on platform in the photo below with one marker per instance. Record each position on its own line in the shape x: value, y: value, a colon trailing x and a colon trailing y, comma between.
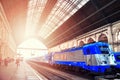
x: 6, y: 62
x: 0, y: 61
x: 17, y: 62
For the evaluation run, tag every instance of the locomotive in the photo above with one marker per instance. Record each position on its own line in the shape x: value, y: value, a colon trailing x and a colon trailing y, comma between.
x: 95, y: 57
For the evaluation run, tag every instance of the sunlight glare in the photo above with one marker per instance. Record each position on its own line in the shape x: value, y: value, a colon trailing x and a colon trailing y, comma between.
x: 31, y: 48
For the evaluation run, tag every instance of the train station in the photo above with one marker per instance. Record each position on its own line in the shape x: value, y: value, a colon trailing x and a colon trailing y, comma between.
x: 59, y: 39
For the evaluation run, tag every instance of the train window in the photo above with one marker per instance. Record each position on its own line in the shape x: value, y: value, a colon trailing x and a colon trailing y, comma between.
x: 104, y: 49
x: 118, y: 57
x: 103, y: 46
x: 105, y: 52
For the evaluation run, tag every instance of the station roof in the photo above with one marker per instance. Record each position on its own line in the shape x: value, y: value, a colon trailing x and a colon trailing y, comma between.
x: 56, y: 21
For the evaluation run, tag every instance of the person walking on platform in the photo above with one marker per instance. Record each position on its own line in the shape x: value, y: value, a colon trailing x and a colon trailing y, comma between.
x: 17, y: 62
x: 0, y: 61
x: 6, y: 62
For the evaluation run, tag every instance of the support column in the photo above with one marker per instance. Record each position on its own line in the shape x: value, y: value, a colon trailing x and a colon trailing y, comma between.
x: 110, y: 36
x: 0, y: 51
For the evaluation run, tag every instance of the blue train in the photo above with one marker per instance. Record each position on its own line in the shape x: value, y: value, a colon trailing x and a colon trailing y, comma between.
x: 95, y: 57
x: 117, y: 58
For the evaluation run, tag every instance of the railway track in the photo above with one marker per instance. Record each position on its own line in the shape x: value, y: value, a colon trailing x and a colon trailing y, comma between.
x: 51, y: 74
x: 47, y: 73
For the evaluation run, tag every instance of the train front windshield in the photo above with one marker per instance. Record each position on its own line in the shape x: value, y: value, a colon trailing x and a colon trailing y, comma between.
x: 118, y: 57
x: 104, y: 49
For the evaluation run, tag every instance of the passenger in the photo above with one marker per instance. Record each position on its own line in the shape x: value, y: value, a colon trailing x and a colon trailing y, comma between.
x: 6, y: 62
x: 17, y: 62
x: 0, y: 61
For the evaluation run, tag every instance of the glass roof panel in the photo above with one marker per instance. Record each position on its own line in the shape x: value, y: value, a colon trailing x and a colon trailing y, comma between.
x: 35, y: 8
x: 60, y: 13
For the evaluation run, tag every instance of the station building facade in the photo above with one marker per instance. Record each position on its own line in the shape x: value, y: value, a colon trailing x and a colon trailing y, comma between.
x: 7, y: 42
x: 109, y: 33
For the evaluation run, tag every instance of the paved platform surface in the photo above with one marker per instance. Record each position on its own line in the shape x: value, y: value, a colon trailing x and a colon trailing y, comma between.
x: 22, y: 72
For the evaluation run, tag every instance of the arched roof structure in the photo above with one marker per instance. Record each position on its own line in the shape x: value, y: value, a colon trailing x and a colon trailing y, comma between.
x: 56, y: 21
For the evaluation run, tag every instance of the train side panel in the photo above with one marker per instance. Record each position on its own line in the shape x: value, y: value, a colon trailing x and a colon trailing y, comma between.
x: 75, y: 56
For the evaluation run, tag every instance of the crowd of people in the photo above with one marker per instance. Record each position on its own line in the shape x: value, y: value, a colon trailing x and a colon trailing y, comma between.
x: 8, y: 60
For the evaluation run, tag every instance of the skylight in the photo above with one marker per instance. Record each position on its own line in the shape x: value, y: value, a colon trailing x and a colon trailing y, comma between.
x: 60, y: 13
x: 62, y: 10
x: 35, y: 8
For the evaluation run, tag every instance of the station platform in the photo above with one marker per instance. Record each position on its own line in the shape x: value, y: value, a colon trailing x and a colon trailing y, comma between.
x: 21, y: 72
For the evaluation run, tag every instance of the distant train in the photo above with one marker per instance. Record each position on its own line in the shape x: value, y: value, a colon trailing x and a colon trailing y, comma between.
x: 95, y: 57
